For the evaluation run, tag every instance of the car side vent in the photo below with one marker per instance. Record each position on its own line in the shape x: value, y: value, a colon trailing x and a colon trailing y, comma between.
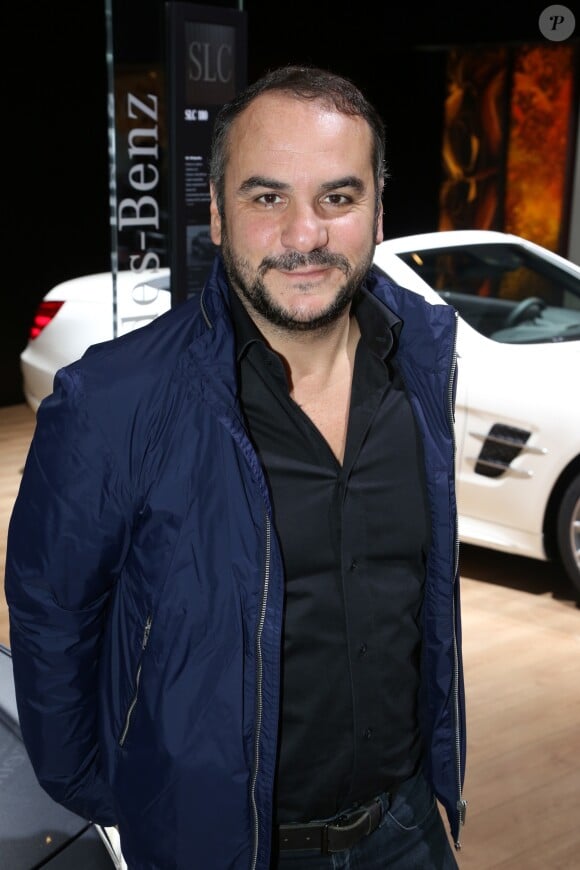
x: 500, y: 447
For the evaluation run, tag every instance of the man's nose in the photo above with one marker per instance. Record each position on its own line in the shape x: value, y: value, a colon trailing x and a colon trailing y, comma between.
x: 303, y: 230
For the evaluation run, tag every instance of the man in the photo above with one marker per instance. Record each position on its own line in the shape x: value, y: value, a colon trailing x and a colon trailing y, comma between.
x: 232, y: 564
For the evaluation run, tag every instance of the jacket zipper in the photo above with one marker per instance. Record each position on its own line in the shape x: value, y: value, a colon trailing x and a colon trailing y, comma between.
x: 259, y: 697
x: 144, y: 641
x: 461, y: 804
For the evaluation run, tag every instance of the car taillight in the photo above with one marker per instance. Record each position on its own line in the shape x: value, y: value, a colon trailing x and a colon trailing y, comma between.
x: 44, y: 314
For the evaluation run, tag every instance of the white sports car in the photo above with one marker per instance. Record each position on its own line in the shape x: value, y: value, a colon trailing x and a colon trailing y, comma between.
x: 518, y: 398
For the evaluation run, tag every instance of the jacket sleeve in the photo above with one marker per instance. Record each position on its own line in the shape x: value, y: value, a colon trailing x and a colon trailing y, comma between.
x: 67, y: 538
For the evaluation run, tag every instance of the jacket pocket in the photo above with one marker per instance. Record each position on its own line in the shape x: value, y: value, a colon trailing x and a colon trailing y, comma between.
x: 137, y: 681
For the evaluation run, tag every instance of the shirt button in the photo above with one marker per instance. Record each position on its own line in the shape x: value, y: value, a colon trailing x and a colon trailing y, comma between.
x: 368, y: 734
x: 362, y: 649
x: 353, y: 565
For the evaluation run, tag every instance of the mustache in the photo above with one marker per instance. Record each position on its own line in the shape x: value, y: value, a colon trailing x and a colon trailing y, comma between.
x: 294, y: 260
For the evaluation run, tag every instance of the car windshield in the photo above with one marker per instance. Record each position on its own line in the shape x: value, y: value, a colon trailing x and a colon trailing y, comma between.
x: 505, y: 292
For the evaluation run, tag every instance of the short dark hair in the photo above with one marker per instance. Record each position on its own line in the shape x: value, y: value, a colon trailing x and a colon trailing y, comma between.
x: 303, y: 83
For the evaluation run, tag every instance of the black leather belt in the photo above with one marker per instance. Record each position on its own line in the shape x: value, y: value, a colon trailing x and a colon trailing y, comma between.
x: 342, y: 833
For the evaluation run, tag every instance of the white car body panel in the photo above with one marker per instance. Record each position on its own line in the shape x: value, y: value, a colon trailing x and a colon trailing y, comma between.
x: 87, y: 318
x: 513, y: 505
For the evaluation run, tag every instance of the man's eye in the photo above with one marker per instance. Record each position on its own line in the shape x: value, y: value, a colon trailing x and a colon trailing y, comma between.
x: 337, y: 199
x: 269, y: 198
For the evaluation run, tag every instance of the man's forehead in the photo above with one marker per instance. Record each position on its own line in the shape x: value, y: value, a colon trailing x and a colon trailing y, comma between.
x: 282, y: 126
x: 273, y: 112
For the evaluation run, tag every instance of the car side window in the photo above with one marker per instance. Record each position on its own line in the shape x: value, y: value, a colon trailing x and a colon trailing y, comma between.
x: 504, y: 292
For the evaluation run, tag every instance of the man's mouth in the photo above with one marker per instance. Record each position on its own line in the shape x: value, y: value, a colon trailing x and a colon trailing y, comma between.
x: 307, y: 266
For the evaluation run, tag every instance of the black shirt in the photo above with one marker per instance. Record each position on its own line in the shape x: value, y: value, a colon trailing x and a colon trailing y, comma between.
x: 354, y: 539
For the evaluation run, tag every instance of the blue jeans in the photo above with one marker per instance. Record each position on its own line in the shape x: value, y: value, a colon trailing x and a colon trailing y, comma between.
x: 410, y: 836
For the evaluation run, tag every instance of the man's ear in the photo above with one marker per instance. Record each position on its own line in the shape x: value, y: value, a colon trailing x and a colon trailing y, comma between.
x: 214, y: 217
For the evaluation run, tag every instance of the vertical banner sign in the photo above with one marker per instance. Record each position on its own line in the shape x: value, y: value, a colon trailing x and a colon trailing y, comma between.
x: 137, y: 155
x: 206, y: 61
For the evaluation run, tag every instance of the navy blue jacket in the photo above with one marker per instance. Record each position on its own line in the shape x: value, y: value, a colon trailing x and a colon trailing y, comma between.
x: 145, y: 587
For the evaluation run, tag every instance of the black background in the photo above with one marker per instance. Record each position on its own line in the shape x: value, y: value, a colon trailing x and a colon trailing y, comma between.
x: 55, y: 120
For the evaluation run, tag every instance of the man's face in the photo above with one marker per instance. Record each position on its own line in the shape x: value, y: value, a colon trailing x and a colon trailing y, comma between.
x: 300, y: 223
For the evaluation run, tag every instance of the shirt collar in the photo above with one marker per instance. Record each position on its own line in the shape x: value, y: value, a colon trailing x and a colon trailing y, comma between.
x: 379, y: 326
x: 244, y: 327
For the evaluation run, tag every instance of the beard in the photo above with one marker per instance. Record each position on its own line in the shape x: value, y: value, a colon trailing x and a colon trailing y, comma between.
x: 251, y: 287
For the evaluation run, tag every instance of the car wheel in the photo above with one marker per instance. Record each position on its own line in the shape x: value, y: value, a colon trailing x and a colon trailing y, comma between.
x: 569, y: 532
